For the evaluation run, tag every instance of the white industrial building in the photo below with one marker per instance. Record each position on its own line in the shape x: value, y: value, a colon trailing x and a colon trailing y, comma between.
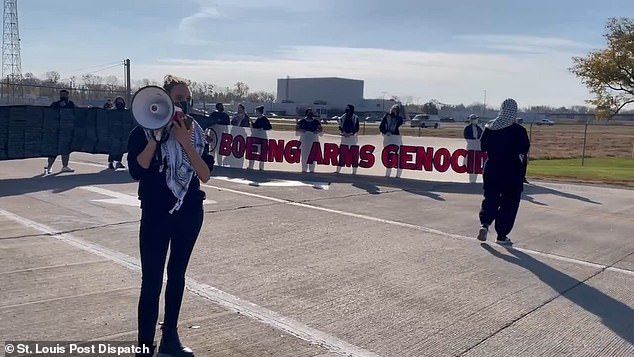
x: 330, y: 94
x: 326, y: 96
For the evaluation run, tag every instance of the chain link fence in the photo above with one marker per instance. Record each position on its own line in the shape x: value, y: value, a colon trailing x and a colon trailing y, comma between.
x: 28, y: 94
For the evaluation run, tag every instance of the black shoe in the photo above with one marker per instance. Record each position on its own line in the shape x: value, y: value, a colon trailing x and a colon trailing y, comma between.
x: 150, y: 352
x: 171, y: 345
x: 482, y: 233
x: 111, y: 166
x: 504, y: 241
x: 526, y: 181
x: 120, y: 165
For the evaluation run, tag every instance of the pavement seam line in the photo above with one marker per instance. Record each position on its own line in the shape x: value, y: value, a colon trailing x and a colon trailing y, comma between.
x: 210, y: 293
x: 433, y: 231
x: 546, y: 302
x: 83, y: 229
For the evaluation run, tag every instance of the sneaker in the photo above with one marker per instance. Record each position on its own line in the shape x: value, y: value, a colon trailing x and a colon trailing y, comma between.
x: 120, y: 165
x: 504, y: 241
x: 482, y: 234
x: 48, y: 171
x: 172, y: 346
x: 67, y: 169
x: 110, y: 166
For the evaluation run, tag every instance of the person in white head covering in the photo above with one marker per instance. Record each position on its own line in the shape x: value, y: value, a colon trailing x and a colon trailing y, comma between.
x: 473, y: 131
x: 505, y: 143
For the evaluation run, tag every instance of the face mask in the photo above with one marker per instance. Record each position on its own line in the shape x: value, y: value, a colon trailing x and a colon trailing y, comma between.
x: 64, y: 99
x: 185, y: 105
x: 119, y: 105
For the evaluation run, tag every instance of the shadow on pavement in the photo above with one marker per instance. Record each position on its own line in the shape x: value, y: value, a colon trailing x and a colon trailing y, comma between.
x: 373, y: 185
x: 614, y: 314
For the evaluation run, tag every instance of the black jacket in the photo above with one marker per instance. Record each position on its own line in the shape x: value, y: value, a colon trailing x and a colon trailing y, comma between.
x: 503, y: 148
x: 153, y: 191
x: 384, y: 125
x: 468, y: 133
x: 63, y: 104
x: 349, y: 125
x: 262, y: 123
x: 220, y: 118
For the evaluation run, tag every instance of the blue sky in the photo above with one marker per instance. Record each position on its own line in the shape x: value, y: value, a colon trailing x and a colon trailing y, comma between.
x: 450, y: 50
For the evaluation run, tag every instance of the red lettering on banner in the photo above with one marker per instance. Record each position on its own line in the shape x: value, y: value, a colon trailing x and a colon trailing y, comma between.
x: 349, y: 155
x: 442, y: 160
x: 253, y: 149
x: 239, y: 146
x: 455, y: 164
x: 367, y: 156
x: 292, y: 152
x: 315, y: 154
x: 276, y: 150
x: 406, y: 157
x: 390, y: 156
x: 481, y: 158
x: 471, y: 161
x: 225, y: 144
x: 331, y: 154
x: 424, y: 158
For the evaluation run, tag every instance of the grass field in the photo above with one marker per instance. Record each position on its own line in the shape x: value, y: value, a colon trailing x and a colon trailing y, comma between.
x: 561, y: 141
x: 595, y: 169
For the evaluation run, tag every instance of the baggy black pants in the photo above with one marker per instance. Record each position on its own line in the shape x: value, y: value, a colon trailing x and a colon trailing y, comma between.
x: 159, y: 230
x: 112, y: 158
x: 502, y: 195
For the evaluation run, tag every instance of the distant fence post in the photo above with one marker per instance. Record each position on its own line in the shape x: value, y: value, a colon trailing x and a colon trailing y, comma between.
x: 419, y: 131
x: 530, y: 132
x: 583, y: 152
x: 364, y: 126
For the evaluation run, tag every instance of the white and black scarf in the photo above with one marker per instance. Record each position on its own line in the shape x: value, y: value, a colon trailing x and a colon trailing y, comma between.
x: 179, y: 168
x: 506, y: 117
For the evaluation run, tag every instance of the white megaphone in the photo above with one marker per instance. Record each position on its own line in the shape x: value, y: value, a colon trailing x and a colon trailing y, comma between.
x: 152, y: 107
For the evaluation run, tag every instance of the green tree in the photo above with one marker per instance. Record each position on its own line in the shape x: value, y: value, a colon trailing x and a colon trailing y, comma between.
x: 609, y: 73
x: 430, y: 108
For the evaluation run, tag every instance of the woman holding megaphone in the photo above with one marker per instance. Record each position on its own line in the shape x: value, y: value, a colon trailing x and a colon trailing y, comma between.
x: 169, y: 164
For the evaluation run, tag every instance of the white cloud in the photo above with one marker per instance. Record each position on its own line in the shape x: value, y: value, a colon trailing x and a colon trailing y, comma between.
x: 449, y: 77
x: 189, y: 26
x: 528, y: 44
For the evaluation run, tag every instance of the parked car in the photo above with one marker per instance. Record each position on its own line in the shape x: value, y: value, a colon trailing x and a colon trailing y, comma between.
x: 425, y: 121
x: 545, y: 122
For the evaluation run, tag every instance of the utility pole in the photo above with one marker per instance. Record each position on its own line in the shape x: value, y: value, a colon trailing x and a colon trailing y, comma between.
x: 11, y: 60
x: 128, y: 86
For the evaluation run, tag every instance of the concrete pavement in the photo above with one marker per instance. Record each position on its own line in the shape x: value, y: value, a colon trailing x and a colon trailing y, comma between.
x: 350, y: 266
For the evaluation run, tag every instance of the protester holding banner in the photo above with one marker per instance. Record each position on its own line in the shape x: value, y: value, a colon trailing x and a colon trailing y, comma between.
x: 219, y: 116
x: 473, y: 131
x: 63, y: 103
x: 392, y: 121
x: 349, y: 127
x: 505, y: 142
x: 241, y: 119
x: 262, y: 122
x: 308, y: 130
x: 169, y: 164
x: 309, y: 124
x: 349, y: 122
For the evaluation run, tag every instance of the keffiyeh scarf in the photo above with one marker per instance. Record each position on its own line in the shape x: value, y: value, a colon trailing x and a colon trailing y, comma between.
x: 506, y: 117
x: 179, y: 168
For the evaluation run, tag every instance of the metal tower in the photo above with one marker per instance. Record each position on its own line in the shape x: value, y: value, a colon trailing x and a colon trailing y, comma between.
x: 11, y: 61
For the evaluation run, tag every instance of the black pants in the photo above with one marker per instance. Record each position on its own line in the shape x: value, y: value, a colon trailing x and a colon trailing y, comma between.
x: 112, y: 158
x: 159, y: 230
x: 502, y: 195
x: 65, y: 160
